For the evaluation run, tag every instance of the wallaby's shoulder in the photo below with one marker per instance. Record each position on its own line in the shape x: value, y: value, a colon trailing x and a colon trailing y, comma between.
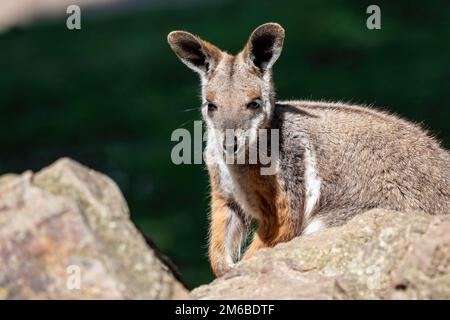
x: 321, y: 107
x: 353, y: 114
x: 337, y: 123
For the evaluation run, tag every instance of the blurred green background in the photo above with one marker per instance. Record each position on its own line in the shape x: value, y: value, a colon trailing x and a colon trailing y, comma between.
x: 111, y: 94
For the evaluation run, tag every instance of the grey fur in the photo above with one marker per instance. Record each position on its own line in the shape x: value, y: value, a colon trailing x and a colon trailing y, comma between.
x: 365, y: 159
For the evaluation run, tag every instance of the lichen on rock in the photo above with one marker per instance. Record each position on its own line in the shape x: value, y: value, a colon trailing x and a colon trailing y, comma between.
x: 67, y: 219
x: 380, y: 254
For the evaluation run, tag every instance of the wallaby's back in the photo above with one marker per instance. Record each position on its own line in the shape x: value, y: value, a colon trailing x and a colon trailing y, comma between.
x: 364, y: 159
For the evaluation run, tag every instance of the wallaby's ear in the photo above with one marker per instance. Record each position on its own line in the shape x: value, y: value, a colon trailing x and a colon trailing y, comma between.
x: 264, y: 46
x: 196, y: 53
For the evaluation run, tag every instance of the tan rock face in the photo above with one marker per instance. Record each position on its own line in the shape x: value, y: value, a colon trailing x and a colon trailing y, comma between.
x: 65, y: 233
x: 378, y: 255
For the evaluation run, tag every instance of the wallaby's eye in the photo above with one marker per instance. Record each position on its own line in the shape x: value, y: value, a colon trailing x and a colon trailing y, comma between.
x: 211, y: 107
x: 255, y: 104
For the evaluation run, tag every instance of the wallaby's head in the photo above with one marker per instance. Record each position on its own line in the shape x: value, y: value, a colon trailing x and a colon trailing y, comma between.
x: 237, y: 91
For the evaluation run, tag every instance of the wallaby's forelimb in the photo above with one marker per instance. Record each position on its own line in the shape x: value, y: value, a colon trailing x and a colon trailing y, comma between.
x: 274, y: 229
x: 227, y: 232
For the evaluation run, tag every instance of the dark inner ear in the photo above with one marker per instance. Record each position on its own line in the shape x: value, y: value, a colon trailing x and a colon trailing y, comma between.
x: 196, y: 53
x: 262, y: 49
x: 265, y: 45
x: 191, y: 51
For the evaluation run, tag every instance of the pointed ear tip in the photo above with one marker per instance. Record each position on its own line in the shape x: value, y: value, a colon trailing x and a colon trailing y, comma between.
x: 177, y: 35
x: 270, y: 27
x: 173, y: 35
x: 276, y: 27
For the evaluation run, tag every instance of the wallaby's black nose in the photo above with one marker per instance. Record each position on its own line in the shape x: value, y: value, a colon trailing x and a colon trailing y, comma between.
x: 231, y: 147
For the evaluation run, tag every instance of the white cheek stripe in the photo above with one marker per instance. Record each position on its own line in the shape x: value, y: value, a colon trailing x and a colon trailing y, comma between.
x: 253, y: 136
x: 312, y: 181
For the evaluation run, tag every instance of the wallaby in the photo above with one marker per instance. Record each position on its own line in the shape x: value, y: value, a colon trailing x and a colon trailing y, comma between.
x: 335, y: 160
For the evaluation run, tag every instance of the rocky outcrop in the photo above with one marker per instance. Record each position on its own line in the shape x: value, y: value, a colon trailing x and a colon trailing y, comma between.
x: 65, y: 233
x: 377, y: 255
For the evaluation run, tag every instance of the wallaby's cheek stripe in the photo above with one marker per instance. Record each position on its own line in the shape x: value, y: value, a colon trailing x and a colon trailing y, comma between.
x: 253, y: 131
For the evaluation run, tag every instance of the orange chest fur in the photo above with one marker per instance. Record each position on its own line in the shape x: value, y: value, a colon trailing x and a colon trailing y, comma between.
x: 260, y: 196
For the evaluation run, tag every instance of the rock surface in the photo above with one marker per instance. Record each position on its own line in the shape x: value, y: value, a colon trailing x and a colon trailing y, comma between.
x: 65, y: 233
x: 378, y: 255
